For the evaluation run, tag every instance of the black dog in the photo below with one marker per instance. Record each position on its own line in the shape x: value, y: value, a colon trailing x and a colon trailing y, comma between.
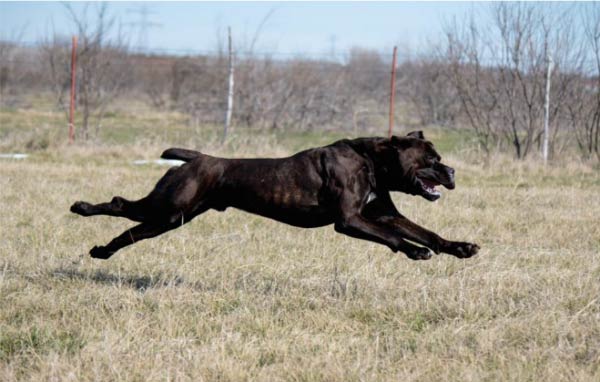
x: 346, y: 184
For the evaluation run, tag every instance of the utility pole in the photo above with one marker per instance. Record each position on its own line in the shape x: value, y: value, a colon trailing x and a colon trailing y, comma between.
x: 550, y: 64
x: 332, y: 50
x: 229, y: 110
x: 72, y: 101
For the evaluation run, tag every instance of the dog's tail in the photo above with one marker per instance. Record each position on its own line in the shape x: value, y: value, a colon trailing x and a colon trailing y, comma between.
x: 180, y: 154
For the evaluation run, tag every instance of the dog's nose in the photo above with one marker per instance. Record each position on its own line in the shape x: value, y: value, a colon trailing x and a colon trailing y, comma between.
x: 450, y: 172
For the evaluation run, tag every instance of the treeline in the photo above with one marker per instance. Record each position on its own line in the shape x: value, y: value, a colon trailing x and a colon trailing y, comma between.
x: 491, y: 79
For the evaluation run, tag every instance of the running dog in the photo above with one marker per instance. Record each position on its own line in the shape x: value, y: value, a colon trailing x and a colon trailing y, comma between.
x: 346, y: 183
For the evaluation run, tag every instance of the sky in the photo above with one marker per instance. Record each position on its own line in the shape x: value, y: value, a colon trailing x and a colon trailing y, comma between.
x: 283, y: 29
x: 289, y: 28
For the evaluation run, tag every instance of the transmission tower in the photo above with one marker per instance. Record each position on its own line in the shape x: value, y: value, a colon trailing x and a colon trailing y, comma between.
x: 143, y: 24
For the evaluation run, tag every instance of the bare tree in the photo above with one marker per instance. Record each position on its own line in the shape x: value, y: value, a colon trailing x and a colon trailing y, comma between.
x: 584, y: 108
x: 500, y: 72
x: 13, y: 61
x: 475, y: 83
x: 102, y: 64
x: 151, y: 76
x: 426, y: 85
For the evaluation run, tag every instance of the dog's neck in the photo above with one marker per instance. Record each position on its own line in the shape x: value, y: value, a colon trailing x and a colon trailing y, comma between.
x: 381, y: 153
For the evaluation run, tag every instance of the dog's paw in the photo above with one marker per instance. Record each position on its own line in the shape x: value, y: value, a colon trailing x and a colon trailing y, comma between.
x: 419, y: 254
x: 80, y: 208
x: 100, y: 253
x: 463, y: 250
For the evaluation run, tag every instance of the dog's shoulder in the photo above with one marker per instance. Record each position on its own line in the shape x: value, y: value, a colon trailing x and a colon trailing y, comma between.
x: 347, y: 158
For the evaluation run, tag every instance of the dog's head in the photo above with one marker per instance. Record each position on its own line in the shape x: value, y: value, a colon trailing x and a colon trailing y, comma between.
x: 416, y: 168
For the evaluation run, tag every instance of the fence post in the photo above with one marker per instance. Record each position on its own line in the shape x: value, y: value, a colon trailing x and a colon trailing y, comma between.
x: 392, y: 92
x: 72, y: 105
x: 550, y: 63
x: 229, y: 89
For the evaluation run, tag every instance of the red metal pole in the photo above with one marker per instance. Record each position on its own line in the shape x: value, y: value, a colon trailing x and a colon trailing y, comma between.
x: 73, y: 70
x: 392, y: 93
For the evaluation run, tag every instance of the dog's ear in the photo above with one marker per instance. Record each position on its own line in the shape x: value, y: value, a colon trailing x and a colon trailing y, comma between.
x: 396, y: 140
x: 416, y: 134
x: 400, y: 142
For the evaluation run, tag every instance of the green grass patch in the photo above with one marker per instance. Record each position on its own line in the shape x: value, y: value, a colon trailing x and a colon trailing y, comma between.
x: 38, y: 341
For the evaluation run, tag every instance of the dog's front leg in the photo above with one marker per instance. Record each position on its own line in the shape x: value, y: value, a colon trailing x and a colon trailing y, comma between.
x: 361, y: 228
x: 418, y: 234
x: 354, y: 223
x: 383, y: 211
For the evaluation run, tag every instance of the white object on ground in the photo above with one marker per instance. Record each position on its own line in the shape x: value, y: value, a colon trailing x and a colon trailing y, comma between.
x: 162, y: 162
x: 14, y: 156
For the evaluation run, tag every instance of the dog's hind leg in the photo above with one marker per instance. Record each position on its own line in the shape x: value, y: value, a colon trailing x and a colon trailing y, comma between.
x: 131, y: 236
x: 145, y: 230
x: 152, y: 207
x: 118, y: 206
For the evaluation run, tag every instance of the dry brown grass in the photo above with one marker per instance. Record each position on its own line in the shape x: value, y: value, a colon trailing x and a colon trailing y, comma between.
x: 234, y: 297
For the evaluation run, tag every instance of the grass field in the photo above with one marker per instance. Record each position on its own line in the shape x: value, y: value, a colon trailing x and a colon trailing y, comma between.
x: 232, y: 296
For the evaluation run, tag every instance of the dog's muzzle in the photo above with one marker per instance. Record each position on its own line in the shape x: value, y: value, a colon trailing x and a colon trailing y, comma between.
x: 450, y: 174
x: 428, y: 178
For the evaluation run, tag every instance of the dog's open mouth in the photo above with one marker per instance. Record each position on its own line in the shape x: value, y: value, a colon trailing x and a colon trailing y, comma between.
x: 428, y: 189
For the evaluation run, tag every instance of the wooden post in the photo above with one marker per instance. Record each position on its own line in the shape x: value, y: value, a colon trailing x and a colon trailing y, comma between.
x: 392, y: 92
x: 550, y: 63
x: 72, y: 106
x: 229, y: 89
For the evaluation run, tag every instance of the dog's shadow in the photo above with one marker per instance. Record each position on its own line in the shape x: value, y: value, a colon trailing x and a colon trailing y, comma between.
x: 139, y: 283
